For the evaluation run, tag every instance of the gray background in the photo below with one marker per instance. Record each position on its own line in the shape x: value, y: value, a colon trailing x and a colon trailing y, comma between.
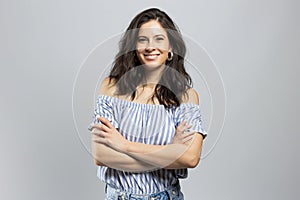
x: 255, y: 44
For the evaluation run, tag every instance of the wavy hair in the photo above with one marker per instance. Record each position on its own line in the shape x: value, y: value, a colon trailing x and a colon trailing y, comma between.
x: 127, y: 75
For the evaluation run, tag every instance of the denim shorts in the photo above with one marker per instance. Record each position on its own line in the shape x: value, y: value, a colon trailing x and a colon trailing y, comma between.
x: 171, y: 193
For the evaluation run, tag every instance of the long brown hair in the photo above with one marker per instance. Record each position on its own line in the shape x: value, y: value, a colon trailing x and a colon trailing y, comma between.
x: 127, y: 74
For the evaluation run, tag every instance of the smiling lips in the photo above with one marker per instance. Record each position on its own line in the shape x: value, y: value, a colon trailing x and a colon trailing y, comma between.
x: 151, y: 56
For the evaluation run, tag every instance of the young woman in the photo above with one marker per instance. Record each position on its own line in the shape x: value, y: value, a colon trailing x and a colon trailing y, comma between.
x: 147, y: 127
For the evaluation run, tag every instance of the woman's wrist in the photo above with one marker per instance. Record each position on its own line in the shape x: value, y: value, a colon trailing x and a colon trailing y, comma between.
x: 125, y: 145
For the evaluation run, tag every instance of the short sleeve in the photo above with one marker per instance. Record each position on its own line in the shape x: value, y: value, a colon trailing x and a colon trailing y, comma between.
x: 192, y: 115
x: 104, y: 108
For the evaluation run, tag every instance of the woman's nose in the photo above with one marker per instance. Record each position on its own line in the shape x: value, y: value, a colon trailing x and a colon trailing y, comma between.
x: 150, y: 46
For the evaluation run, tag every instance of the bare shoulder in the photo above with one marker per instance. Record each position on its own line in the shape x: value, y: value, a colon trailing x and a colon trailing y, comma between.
x: 107, y: 87
x: 191, y: 96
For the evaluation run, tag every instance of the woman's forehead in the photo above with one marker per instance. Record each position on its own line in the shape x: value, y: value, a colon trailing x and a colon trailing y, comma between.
x: 152, y: 27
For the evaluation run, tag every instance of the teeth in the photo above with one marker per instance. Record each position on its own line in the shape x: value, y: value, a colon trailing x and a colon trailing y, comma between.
x: 151, y: 54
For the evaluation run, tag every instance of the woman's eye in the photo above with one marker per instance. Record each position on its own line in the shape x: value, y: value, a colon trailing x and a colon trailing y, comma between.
x: 159, y: 38
x: 142, y: 39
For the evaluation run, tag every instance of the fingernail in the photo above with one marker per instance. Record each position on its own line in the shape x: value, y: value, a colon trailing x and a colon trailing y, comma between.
x: 90, y: 128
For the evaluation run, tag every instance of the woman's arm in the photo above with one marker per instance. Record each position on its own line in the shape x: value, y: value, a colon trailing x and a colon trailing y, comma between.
x: 171, y: 156
x: 106, y: 156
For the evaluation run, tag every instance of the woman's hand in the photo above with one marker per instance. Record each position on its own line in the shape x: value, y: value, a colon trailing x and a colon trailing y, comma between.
x: 182, y: 136
x: 106, y: 133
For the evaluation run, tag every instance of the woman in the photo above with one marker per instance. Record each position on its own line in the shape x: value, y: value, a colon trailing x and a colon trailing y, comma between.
x: 147, y: 127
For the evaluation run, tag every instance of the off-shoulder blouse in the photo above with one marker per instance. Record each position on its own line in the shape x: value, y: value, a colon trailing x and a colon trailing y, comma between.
x: 149, y: 124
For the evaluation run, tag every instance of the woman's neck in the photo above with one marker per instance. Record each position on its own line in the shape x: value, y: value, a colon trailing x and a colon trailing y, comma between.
x: 152, y: 77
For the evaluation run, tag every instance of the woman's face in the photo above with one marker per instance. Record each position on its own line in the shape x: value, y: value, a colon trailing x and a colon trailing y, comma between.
x: 152, y: 44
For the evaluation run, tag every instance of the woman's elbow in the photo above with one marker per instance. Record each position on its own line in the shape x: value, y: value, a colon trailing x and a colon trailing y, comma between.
x: 97, y: 157
x: 194, y: 152
x: 98, y: 163
x: 189, y: 161
x: 193, y: 162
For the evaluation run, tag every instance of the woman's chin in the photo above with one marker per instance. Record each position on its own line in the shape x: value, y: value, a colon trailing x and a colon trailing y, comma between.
x: 152, y: 66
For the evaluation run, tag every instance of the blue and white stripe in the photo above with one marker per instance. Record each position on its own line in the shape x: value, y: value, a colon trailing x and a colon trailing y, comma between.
x: 149, y: 124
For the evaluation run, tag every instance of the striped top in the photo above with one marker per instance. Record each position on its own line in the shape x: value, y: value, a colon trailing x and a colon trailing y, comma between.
x: 149, y: 124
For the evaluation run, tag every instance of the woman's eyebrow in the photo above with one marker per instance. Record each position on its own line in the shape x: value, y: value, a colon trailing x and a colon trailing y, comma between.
x: 154, y: 35
x: 159, y: 35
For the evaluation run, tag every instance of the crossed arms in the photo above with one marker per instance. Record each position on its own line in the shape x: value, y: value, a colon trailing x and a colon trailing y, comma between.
x: 111, y: 149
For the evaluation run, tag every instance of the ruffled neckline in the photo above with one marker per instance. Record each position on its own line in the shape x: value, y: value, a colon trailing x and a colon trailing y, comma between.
x: 143, y: 104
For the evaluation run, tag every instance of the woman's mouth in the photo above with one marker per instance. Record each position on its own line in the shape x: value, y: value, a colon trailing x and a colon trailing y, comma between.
x: 151, y: 56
